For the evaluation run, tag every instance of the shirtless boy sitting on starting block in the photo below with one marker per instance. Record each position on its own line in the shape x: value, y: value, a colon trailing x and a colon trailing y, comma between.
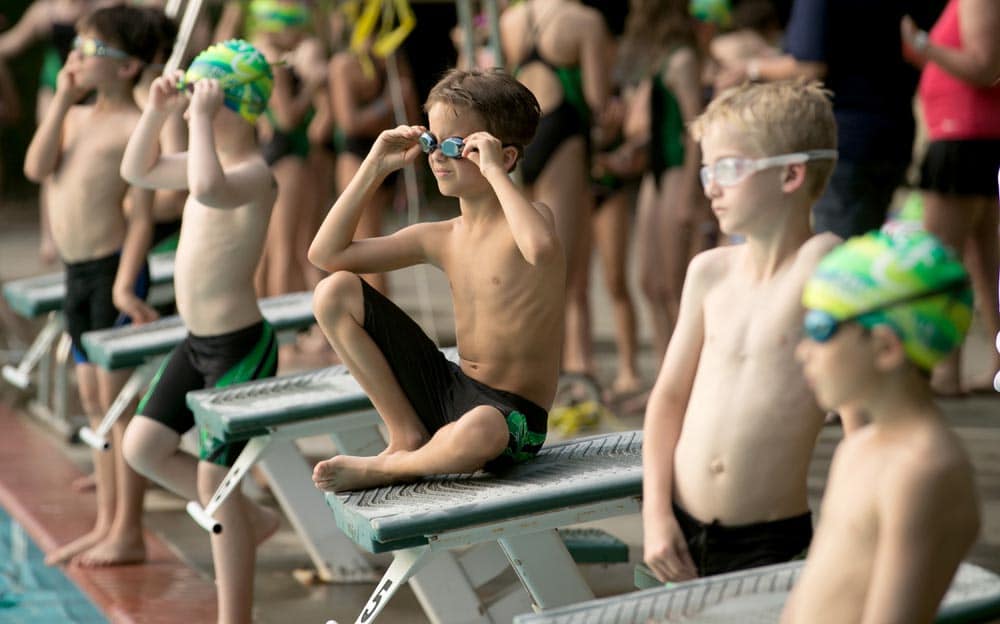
x: 505, y: 265
x: 731, y: 424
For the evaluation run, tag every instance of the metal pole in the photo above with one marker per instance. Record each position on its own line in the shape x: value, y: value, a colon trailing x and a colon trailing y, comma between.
x: 468, y: 32
x: 191, y: 12
x: 493, y: 17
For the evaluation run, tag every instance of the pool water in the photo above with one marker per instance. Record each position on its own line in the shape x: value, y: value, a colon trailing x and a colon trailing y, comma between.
x: 32, y: 592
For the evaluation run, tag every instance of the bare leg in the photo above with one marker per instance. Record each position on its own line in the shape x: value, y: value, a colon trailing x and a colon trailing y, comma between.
x: 611, y: 233
x: 983, y: 261
x: 234, y: 550
x: 950, y: 218
x: 478, y: 436
x: 153, y: 450
x: 654, y: 289
x: 124, y: 542
x: 563, y: 187
x: 338, y: 304
x: 104, y: 472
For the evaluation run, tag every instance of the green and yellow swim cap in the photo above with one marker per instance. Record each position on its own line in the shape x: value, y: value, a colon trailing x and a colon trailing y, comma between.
x: 900, y: 276
x: 718, y: 12
x: 277, y: 15
x: 243, y: 73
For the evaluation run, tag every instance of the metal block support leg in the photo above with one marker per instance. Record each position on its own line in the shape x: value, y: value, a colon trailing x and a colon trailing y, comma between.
x: 335, y: 556
x: 404, y: 565
x: 448, y: 594
x: 137, y: 382
x: 248, y: 457
x: 20, y: 375
x: 546, y: 569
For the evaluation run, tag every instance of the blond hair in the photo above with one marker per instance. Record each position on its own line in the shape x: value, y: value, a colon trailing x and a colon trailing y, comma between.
x: 778, y: 118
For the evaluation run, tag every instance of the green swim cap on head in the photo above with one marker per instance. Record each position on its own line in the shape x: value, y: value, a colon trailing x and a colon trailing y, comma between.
x: 243, y: 73
x: 718, y: 12
x: 275, y: 16
x: 865, y: 276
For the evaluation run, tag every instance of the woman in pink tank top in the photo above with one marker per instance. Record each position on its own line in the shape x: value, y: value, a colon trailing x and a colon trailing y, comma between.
x: 960, y: 96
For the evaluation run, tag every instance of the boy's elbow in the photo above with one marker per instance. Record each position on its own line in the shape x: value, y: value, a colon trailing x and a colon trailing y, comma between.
x: 33, y: 173
x: 543, y: 251
x: 318, y: 258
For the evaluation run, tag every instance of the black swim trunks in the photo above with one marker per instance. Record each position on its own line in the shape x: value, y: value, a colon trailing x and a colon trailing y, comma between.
x: 209, y: 362
x: 716, y: 549
x: 88, y: 305
x: 438, y: 389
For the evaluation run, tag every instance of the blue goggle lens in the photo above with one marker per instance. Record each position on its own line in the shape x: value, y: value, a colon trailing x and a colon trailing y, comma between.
x: 819, y: 326
x: 451, y: 147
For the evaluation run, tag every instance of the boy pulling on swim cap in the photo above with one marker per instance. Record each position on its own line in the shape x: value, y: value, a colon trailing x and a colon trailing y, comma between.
x: 900, y: 510
x: 231, y: 193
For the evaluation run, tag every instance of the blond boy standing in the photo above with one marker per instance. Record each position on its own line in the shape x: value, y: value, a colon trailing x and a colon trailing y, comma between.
x: 731, y: 424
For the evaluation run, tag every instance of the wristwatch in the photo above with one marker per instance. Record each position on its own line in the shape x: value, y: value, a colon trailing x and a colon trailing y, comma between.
x: 920, y: 41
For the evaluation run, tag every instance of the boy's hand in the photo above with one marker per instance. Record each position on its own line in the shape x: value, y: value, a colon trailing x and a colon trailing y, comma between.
x: 667, y: 554
x: 396, y: 148
x: 485, y: 150
x: 133, y: 307
x: 913, y: 50
x: 207, y: 98
x: 164, y: 96
x: 67, y: 89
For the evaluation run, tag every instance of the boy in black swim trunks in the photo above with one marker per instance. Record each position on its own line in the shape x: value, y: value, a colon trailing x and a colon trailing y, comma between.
x: 231, y: 194
x: 506, y: 268
x: 78, y: 149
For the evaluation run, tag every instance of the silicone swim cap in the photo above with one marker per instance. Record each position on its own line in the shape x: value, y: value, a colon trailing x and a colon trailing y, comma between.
x: 714, y: 11
x: 243, y: 73
x: 275, y: 16
x: 863, y: 278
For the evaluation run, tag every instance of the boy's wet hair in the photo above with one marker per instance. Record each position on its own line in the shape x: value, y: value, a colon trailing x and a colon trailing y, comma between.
x: 507, y: 108
x: 127, y: 28
x: 166, y: 33
x: 778, y: 118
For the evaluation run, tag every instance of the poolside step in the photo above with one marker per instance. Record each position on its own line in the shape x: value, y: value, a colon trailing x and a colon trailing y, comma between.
x: 594, y: 546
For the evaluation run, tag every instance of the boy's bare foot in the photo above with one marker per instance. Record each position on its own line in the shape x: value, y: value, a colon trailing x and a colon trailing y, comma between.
x: 113, y: 551
x: 68, y: 551
x: 264, y: 521
x: 346, y: 472
x: 86, y: 483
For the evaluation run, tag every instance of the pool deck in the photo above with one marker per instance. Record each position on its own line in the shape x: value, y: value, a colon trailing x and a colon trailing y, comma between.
x: 37, y: 467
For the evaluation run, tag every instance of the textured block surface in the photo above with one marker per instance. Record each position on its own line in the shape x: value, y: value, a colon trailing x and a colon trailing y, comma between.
x: 130, y: 346
x: 566, y: 474
x: 754, y: 596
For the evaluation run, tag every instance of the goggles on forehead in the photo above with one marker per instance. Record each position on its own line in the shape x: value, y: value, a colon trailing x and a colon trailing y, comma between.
x: 732, y: 170
x: 96, y: 47
x: 450, y: 147
x: 821, y: 326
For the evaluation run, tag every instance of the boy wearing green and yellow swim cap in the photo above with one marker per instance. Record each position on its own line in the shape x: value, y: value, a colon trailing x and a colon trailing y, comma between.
x: 900, y: 510
x: 730, y: 424
x: 225, y: 220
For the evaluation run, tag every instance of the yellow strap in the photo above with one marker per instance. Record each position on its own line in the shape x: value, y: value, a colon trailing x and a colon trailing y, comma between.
x: 389, y: 40
x: 389, y: 37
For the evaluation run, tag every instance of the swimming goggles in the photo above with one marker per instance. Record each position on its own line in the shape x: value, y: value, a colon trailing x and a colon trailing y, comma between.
x: 450, y: 147
x: 821, y: 326
x: 732, y: 170
x: 96, y: 47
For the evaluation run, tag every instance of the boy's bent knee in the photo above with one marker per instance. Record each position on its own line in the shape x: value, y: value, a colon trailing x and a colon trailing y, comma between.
x: 146, y: 443
x: 482, y: 431
x: 337, y: 295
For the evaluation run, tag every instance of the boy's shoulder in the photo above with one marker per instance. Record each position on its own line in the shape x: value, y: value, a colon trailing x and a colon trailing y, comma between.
x: 817, y: 246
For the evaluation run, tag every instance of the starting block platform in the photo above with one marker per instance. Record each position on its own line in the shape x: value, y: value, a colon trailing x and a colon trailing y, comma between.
x: 520, y: 510
x: 34, y: 297
x: 755, y: 596
x: 141, y: 347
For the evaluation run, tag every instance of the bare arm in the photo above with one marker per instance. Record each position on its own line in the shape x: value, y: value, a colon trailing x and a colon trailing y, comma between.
x: 665, y: 549
x: 290, y: 108
x: 978, y: 60
x: 42, y: 157
x: 230, y: 23
x: 334, y: 247
x: 138, y: 239
x: 32, y: 26
x: 143, y: 164
x: 208, y: 182
x: 924, y: 530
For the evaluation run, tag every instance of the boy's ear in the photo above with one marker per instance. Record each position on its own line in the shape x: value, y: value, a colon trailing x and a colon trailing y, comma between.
x: 887, y: 348
x: 793, y: 177
x: 130, y: 69
x: 509, y: 158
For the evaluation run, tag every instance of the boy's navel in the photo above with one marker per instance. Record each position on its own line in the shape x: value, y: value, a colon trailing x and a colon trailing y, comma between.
x: 716, y: 467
